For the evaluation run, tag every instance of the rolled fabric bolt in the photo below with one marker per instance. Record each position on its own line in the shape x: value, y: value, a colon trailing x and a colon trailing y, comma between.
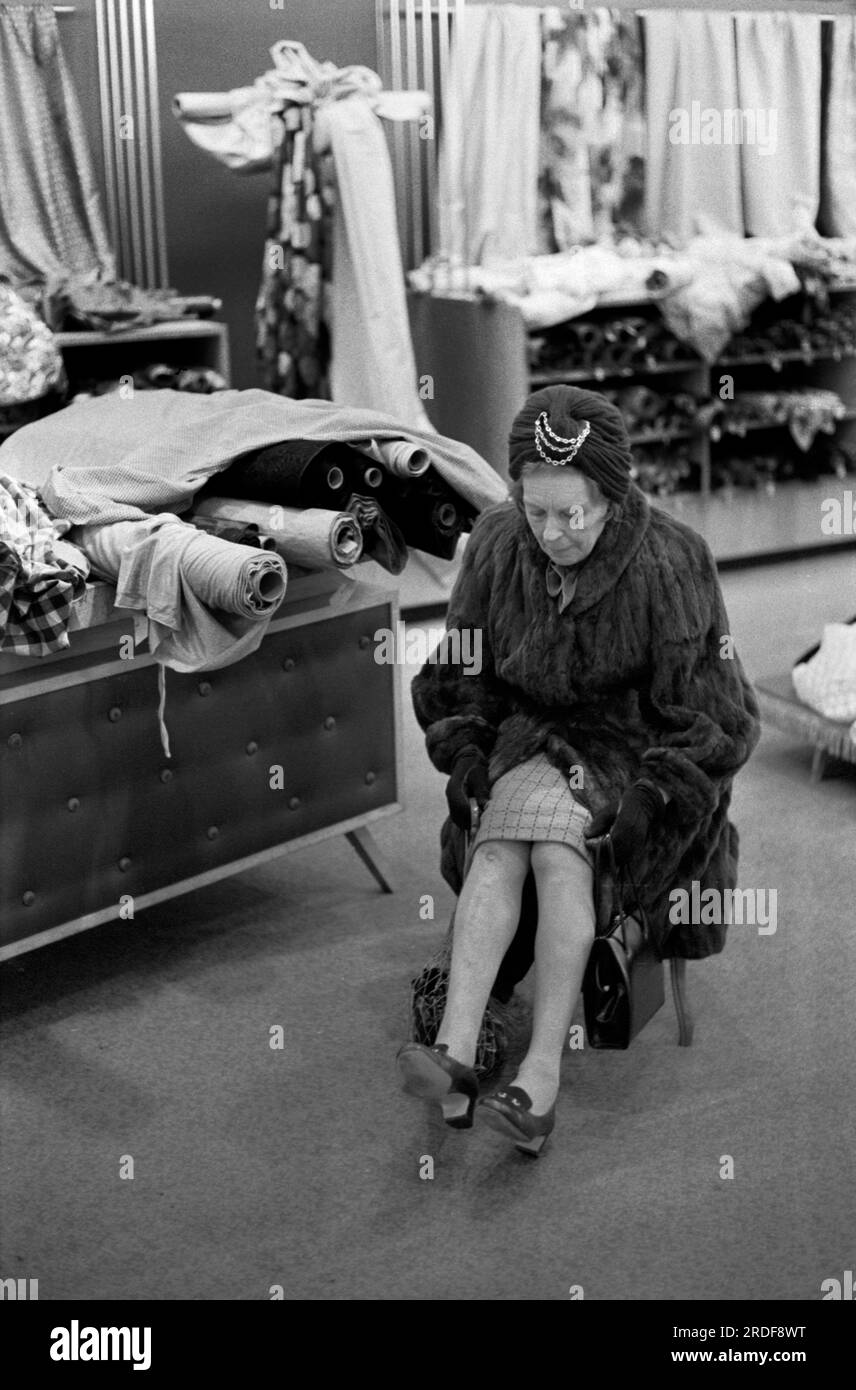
x: 312, y: 537
x: 233, y: 578
x: 400, y: 457
x: 294, y: 473
x: 373, y: 477
x: 202, y: 106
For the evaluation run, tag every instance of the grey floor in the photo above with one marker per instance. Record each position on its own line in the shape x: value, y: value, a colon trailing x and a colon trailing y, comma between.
x: 300, y: 1167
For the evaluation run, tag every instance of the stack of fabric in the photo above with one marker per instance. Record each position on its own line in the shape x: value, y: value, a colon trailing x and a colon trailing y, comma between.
x: 326, y: 484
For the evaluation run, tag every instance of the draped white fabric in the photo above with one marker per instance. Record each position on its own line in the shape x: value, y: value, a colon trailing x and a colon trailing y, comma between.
x: 778, y: 80
x: 691, y: 67
x: 373, y: 363
x: 839, y: 165
x: 490, y: 140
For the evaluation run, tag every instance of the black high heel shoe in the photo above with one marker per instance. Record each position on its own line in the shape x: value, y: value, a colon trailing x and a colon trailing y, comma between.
x: 431, y: 1074
x: 508, y: 1112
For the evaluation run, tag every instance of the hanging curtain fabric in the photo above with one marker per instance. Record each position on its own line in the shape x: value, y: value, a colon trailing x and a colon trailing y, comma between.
x: 373, y: 360
x: 778, y: 83
x: 838, y: 174
x: 292, y: 328
x: 693, y: 179
x: 489, y: 148
x: 593, y: 127
x: 51, y: 219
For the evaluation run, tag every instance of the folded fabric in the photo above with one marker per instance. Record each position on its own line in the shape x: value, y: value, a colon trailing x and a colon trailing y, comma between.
x: 41, y: 574
x: 208, y: 601
x: 314, y: 538
x: 382, y: 539
x: 110, y: 459
x: 827, y: 681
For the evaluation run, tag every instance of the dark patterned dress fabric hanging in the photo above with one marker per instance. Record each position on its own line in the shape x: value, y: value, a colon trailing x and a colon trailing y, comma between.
x: 292, y: 311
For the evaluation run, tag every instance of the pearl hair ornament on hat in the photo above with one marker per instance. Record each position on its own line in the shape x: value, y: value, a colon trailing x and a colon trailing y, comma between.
x: 548, y: 443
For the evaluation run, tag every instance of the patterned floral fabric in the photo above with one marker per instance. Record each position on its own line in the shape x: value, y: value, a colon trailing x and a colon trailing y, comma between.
x: 293, y: 309
x: 30, y: 360
x: 593, y: 128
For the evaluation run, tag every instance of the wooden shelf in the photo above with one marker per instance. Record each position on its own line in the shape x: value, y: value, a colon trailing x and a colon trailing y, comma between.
x: 151, y: 333
x: 575, y: 375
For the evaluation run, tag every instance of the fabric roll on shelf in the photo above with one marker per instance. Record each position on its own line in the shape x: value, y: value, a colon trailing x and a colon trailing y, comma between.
x: 312, y: 537
x: 295, y: 473
x: 400, y: 457
x: 224, y: 576
x: 403, y: 500
x: 431, y: 516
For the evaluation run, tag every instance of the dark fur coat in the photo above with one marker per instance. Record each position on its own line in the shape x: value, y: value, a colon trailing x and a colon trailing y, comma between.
x: 637, y: 677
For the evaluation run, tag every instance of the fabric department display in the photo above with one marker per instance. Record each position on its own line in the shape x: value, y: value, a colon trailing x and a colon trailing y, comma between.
x: 400, y: 501
x: 117, y: 460
x: 110, y: 460
x: 208, y: 601
x: 806, y: 412
x: 312, y: 122
x: 312, y: 537
x: 41, y: 574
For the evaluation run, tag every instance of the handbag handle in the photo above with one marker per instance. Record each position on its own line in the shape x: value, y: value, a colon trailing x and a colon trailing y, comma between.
x: 604, y: 849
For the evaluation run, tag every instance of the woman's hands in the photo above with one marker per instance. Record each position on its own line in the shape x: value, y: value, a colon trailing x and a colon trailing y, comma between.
x: 469, y: 778
x: 629, y: 823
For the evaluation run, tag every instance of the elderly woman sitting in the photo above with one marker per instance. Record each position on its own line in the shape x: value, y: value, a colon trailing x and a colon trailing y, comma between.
x: 609, y: 697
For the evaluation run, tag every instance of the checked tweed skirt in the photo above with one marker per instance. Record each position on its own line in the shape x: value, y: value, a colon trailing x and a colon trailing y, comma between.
x: 534, y: 802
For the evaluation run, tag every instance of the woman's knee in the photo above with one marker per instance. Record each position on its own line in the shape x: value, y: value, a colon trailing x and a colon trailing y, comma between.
x: 557, y: 860
x: 505, y: 860
x: 563, y: 869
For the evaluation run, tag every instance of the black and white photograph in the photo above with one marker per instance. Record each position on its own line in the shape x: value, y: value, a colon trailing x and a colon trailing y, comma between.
x: 428, y: 668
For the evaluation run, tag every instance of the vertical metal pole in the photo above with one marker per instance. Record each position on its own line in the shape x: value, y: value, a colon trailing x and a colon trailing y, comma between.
x: 397, y: 132
x: 106, y: 137
x: 143, y: 136
x: 461, y: 192
x: 123, y: 267
x: 157, y: 158
x: 416, y: 249
x: 382, y: 41
x: 130, y: 145
x: 430, y: 165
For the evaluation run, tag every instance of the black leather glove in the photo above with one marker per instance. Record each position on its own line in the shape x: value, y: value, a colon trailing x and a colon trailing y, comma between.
x: 629, y: 824
x: 469, y: 778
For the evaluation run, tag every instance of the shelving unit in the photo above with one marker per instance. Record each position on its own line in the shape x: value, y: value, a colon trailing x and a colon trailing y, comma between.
x: 478, y: 355
x: 102, y: 356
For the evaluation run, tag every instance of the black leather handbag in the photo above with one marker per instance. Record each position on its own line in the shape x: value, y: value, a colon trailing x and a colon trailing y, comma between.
x: 623, y: 982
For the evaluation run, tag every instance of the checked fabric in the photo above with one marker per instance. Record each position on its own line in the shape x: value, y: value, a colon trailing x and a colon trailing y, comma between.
x: 40, y: 575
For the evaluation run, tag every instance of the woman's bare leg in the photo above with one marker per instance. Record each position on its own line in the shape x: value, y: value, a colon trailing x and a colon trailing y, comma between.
x: 562, y: 944
x: 486, y: 919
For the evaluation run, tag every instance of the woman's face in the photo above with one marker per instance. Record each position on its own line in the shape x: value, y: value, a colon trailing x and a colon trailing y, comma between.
x: 566, y: 512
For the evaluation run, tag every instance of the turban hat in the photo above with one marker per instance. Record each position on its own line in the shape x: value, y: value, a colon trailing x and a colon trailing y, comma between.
x: 551, y: 429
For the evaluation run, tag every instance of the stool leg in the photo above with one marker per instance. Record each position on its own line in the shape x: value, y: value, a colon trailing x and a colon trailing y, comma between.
x: 678, y: 973
x: 363, y: 841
